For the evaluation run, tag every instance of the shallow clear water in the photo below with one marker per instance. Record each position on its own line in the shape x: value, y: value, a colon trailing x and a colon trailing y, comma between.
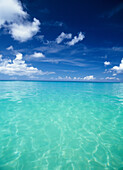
x: 61, y: 125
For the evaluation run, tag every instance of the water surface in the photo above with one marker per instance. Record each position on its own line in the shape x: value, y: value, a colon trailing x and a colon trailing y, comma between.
x: 61, y: 126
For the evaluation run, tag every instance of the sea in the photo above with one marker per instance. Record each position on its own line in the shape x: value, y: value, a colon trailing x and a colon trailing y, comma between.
x: 61, y: 125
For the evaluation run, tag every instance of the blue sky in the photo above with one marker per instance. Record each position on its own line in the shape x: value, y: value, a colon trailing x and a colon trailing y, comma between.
x: 61, y: 40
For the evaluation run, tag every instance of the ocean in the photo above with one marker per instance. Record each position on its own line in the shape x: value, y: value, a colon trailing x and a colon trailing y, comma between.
x: 61, y: 125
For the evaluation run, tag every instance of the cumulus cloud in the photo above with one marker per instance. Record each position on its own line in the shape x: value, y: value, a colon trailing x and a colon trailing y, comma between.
x: 106, y: 63
x: 38, y: 55
x: 10, y: 48
x: 10, y: 11
x: 118, y: 69
x: 63, y: 36
x: 15, y: 20
x: 76, y: 39
x: 24, y: 32
x: 19, y: 56
x: 18, y: 67
x: 91, y: 77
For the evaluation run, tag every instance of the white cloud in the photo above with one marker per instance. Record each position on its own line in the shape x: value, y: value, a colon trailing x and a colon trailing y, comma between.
x: 60, y: 78
x: 11, y: 11
x: 74, y: 78
x: 107, y: 71
x: 0, y: 57
x: 76, y: 39
x: 40, y: 37
x: 118, y: 69
x: 10, y: 48
x: 24, y: 32
x: 38, y: 55
x: 77, y: 78
x: 63, y: 36
x: 15, y: 20
x: 19, y: 56
x: 106, y: 63
x: 111, y: 78
x: 18, y: 67
x: 89, y: 78
x: 118, y: 49
x: 101, y: 78
x: 64, y: 78
x: 68, y: 78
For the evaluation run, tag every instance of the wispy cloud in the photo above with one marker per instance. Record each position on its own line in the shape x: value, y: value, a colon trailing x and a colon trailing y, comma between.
x: 64, y: 78
x: 115, y: 10
x: 69, y: 78
x: 1, y: 57
x: 56, y: 46
x: 112, y: 78
x: 68, y: 71
x: 114, y: 74
x: 10, y: 48
x: 53, y: 24
x: 51, y: 47
x: 117, y: 49
x: 40, y: 37
x: 44, y: 11
x: 74, y: 62
x: 107, y: 71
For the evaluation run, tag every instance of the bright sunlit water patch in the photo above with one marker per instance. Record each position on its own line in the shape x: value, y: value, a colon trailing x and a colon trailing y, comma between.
x: 61, y: 126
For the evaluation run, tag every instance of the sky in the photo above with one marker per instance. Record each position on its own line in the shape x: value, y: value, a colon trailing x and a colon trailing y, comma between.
x: 61, y: 40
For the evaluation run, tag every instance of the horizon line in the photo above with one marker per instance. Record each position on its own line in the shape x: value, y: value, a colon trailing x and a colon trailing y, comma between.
x: 67, y: 81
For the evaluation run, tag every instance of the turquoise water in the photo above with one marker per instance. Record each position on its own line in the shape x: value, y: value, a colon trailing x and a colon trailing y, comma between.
x: 61, y: 126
